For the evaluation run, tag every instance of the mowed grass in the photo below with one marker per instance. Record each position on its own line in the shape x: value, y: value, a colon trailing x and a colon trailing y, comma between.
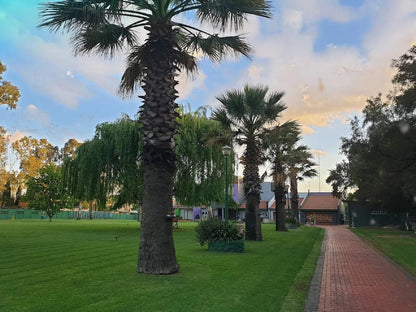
x: 70, y: 265
x: 398, y: 245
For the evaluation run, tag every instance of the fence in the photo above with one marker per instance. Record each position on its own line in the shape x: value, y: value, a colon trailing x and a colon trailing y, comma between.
x: 37, y: 214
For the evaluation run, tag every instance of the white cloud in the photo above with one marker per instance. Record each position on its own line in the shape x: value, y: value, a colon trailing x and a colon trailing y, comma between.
x: 32, y: 113
x: 312, y: 11
x: 17, y: 135
x: 322, y: 86
x: 187, y: 84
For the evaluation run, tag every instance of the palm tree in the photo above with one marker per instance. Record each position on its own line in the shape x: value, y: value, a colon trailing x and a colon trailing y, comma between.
x: 247, y: 114
x: 279, y: 143
x: 300, y: 166
x: 105, y: 26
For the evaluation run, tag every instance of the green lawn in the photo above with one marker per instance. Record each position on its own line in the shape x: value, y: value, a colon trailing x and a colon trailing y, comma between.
x: 70, y: 265
x: 398, y: 245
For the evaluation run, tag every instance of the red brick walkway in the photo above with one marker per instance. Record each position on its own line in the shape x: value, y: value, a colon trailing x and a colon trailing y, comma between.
x: 357, y: 278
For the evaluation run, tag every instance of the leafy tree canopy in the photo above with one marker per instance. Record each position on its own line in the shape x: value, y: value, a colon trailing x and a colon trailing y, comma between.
x: 381, y: 159
x: 115, y: 152
x: 35, y: 154
x: 9, y: 94
x: 199, y: 160
x: 47, y: 192
x: 108, y: 165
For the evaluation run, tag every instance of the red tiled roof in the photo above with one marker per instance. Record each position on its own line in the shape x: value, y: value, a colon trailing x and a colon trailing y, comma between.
x: 273, y: 206
x: 320, y: 201
x: 263, y: 205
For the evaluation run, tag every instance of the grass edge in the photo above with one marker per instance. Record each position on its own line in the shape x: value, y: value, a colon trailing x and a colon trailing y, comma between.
x: 296, y: 298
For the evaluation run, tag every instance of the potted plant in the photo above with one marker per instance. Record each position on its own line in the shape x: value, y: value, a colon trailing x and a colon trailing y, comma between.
x: 220, y: 235
x: 291, y: 223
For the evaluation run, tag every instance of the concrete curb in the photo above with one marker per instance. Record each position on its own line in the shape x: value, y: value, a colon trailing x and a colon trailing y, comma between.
x: 312, y: 303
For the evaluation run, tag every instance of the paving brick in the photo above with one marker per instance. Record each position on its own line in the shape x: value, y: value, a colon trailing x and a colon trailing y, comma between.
x: 356, y: 277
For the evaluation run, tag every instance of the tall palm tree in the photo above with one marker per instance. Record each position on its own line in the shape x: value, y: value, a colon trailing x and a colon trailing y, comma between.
x: 279, y: 142
x: 248, y: 115
x: 105, y: 26
x: 300, y: 166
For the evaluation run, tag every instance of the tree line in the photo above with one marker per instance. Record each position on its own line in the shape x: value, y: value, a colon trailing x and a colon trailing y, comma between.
x: 380, y: 154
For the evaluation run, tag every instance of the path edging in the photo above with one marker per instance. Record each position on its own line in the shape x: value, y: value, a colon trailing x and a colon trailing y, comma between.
x: 312, y: 303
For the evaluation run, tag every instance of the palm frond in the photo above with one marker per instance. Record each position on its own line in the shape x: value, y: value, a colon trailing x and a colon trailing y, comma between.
x: 72, y: 15
x: 231, y: 12
x: 104, y: 39
x: 134, y: 72
x: 216, y: 47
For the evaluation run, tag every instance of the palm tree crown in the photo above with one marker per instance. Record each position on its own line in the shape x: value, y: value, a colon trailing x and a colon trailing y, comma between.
x: 248, y: 115
x: 105, y: 26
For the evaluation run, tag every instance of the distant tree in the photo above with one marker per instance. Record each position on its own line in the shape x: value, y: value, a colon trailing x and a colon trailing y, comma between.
x: 115, y: 151
x: 3, y: 158
x: 199, y: 179
x: 9, y: 94
x: 247, y: 114
x: 46, y: 191
x: 300, y: 166
x: 279, y: 142
x: 69, y: 149
x: 18, y: 196
x: 6, y: 197
x: 4, y: 139
x: 339, y: 180
x: 108, y: 165
x: 35, y: 154
x: 169, y: 46
x: 380, y: 153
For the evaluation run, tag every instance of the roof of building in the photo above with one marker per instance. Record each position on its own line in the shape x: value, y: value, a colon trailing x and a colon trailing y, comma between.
x: 273, y: 206
x: 320, y: 201
x: 262, y: 205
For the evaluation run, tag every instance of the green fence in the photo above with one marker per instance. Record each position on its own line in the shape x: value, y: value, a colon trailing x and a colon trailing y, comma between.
x: 37, y: 214
x: 366, y: 214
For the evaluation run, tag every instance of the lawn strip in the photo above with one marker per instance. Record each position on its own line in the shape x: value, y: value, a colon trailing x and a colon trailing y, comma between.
x: 392, y: 243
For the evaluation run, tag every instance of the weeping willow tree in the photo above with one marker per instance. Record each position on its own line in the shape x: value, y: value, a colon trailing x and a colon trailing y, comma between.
x: 200, y: 176
x: 108, y: 165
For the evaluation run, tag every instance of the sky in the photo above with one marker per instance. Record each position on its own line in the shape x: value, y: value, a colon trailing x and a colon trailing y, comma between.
x: 328, y: 56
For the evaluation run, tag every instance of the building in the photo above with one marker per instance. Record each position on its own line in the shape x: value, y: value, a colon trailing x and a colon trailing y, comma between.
x: 322, y: 207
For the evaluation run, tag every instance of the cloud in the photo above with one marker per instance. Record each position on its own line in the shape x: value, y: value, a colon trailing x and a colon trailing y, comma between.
x: 318, y: 152
x: 306, y: 130
x: 188, y: 84
x: 17, y: 135
x: 322, y: 86
x: 32, y: 113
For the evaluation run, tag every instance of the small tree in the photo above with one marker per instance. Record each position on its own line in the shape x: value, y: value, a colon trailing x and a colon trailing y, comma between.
x: 46, y: 192
x: 9, y: 94
x: 247, y: 115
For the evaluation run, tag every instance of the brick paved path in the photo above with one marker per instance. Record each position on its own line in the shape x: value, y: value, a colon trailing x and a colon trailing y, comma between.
x: 357, y: 278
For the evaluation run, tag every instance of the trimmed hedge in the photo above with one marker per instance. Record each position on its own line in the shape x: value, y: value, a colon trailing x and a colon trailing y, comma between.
x: 227, y: 246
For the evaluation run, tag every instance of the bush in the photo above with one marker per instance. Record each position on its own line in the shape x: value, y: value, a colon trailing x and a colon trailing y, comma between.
x: 290, y: 220
x: 214, y: 229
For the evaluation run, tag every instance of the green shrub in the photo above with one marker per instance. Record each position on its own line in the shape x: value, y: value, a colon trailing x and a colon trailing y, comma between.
x: 214, y: 229
x: 290, y: 220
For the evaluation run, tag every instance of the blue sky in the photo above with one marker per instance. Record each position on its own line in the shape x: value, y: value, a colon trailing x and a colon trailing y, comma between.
x: 328, y: 56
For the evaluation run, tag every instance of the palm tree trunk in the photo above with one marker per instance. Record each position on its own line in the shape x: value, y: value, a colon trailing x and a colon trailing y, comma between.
x: 157, y: 116
x: 294, y: 200
x: 280, y: 199
x: 156, y: 251
x: 253, y: 220
x: 252, y: 190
